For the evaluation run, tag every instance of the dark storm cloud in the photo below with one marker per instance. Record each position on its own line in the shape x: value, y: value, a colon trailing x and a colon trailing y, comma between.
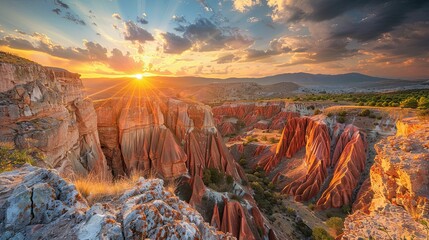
x: 61, y: 4
x: 363, y: 20
x: 136, y: 33
x: 380, y: 19
x: 409, y: 40
x: 203, y: 36
x: 142, y: 20
x: 175, y: 44
x: 57, y: 11
x: 209, y: 37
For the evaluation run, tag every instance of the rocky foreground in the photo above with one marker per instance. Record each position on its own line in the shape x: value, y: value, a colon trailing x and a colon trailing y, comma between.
x: 394, y: 202
x: 37, y: 203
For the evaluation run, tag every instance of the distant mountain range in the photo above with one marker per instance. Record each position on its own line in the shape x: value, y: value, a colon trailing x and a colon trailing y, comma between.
x: 347, y: 82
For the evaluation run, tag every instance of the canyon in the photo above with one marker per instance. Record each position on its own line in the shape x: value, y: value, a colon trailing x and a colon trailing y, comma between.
x: 215, y: 156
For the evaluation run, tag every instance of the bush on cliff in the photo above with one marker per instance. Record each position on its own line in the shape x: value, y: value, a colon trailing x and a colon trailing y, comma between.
x: 11, y: 158
x: 321, y: 234
x: 336, y: 224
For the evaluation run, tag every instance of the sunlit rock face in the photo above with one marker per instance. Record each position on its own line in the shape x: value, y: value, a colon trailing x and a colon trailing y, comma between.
x: 265, y: 115
x: 396, y: 196
x: 315, y: 158
x: 169, y: 136
x: 37, y: 203
x: 46, y: 109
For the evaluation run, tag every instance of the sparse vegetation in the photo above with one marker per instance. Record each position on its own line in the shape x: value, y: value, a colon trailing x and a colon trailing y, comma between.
x: 94, y: 188
x: 321, y: 234
x: 10, y: 58
x: 416, y: 98
x: 364, y: 113
x: 336, y: 224
x: 217, y: 180
x: 263, y: 191
x: 11, y: 158
x: 341, y: 119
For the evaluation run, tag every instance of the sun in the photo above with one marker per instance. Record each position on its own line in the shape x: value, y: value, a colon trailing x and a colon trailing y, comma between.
x: 139, y: 76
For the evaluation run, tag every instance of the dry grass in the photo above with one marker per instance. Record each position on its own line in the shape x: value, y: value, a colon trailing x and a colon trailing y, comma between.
x: 95, y: 189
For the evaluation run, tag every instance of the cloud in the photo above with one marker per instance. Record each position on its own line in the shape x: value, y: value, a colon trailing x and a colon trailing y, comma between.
x: 57, y: 11
x: 61, y: 4
x: 123, y: 62
x: 136, y: 33
x: 179, y: 19
x: 253, y: 20
x: 117, y: 16
x: 175, y: 44
x: 203, y: 36
x: 381, y: 19
x: 206, y: 36
x: 362, y: 20
x: 92, y: 52
x: 244, y: 5
x: 229, y: 58
x: 205, y: 5
x: 142, y: 20
x: 74, y: 18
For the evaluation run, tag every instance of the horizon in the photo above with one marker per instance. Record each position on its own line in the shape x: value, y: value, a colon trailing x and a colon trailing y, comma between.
x: 220, y: 39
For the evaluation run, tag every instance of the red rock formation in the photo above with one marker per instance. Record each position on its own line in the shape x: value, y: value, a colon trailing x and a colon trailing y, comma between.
x: 47, y: 109
x: 258, y: 219
x: 144, y: 142
x: 198, y: 191
x: 227, y: 128
x: 234, y: 221
x: 342, y: 141
x: 347, y: 171
x: 215, y: 222
x: 279, y: 120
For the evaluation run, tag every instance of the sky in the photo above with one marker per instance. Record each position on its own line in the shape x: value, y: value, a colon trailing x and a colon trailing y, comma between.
x: 220, y: 38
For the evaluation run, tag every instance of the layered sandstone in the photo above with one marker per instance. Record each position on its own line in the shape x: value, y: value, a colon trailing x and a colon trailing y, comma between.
x: 396, y: 197
x: 38, y: 204
x: 168, y: 136
x: 46, y: 109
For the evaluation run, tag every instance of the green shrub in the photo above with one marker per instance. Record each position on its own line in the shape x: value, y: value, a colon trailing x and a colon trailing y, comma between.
x: 329, y: 114
x: 423, y: 103
x: 346, y: 209
x: 321, y: 234
x: 342, y: 113
x: 273, y: 140
x: 336, y: 224
x: 409, y: 103
x: 341, y: 119
x: 229, y: 179
x: 364, y: 113
x: 11, y: 158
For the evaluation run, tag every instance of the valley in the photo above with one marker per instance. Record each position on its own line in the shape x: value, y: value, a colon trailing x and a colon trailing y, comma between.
x: 288, y: 167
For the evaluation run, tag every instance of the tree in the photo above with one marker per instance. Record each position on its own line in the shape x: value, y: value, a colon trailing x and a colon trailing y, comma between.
x: 423, y: 103
x: 321, y: 234
x: 409, y: 103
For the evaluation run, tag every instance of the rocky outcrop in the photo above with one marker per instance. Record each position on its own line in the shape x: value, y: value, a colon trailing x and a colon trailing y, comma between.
x: 46, y: 109
x: 234, y: 221
x: 348, y: 168
x: 168, y: 136
x: 395, y: 198
x: 314, y: 134
x: 264, y: 115
x: 301, y: 162
x: 38, y: 204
